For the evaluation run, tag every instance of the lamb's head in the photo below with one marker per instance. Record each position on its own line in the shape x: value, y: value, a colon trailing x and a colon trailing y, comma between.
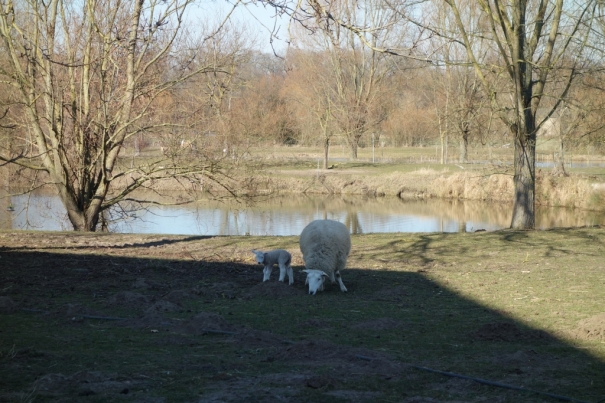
x: 260, y: 256
x: 315, y: 279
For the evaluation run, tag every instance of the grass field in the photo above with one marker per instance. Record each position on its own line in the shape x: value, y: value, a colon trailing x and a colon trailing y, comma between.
x: 150, y: 318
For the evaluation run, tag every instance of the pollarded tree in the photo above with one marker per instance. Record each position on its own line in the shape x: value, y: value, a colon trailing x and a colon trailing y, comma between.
x: 533, y: 39
x: 89, y: 76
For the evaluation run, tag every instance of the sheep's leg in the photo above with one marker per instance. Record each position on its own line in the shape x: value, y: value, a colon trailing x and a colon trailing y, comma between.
x: 332, y: 277
x: 267, y: 272
x: 282, y: 272
x: 290, y: 275
x: 342, y: 286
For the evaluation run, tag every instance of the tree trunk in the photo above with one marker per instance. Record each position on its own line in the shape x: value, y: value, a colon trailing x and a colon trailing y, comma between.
x: 83, y: 221
x: 326, y: 151
x: 464, y: 148
x: 524, y: 216
x: 559, y: 160
x: 83, y: 213
x: 352, y: 222
x: 353, y: 145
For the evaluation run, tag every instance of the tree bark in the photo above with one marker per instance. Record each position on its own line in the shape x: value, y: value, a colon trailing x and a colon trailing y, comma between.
x: 559, y: 160
x: 524, y: 180
x: 353, y: 146
x: 326, y: 151
x: 463, y: 157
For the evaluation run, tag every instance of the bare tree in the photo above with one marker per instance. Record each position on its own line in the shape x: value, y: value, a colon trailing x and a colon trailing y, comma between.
x: 259, y: 111
x: 90, y: 76
x: 532, y: 38
x: 311, y: 90
x: 411, y: 117
x: 578, y: 122
x: 357, y: 73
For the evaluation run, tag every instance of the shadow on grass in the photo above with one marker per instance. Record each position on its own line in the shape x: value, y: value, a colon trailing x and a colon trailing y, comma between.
x: 212, y: 331
x: 162, y: 241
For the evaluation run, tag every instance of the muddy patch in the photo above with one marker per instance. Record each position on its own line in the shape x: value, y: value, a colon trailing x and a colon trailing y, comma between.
x: 88, y: 383
x: 322, y: 382
x: 177, y: 297
x: 132, y: 300
x: 146, y: 284
x: 272, y: 289
x: 205, y: 322
x: 419, y: 399
x: 316, y: 323
x: 378, y: 324
x: 76, y: 312
x: 592, y: 328
x: 519, y: 358
x: 164, y: 306
x: 391, y: 294
x: 503, y: 331
x: 350, y: 360
x: 527, y: 361
x: 228, y: 290
x: 7, y: 305
x: 201, y: 323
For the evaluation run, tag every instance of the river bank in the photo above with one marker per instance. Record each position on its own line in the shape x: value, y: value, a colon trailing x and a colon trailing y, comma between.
x: 485, y: 184
x: 299, y: 173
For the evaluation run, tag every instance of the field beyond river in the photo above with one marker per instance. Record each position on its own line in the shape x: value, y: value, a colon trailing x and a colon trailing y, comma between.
x: 504, y: 316
x: 406, y: 172
x: 415, y: 173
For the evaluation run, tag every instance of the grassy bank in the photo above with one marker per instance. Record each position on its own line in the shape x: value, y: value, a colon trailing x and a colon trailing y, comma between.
x: 152, y: 318
x: 404, y: 172
x: 454, y: 181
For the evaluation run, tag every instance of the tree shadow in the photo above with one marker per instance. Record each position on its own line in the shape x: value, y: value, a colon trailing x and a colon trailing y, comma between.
x: 114, y: 243
x: 408, y: 322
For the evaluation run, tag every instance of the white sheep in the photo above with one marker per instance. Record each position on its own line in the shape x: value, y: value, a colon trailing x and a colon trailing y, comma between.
x: 325, y: 245
x: 281, y: 257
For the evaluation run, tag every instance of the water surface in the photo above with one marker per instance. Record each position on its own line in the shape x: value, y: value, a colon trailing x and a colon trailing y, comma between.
x: 288, y: 215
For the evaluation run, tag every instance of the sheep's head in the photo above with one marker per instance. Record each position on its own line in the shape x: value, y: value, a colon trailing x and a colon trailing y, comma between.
x: 315, y: 279
x: 260, y: 256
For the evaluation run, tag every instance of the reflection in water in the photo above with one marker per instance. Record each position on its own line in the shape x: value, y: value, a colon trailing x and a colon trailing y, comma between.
x: 288, y: 215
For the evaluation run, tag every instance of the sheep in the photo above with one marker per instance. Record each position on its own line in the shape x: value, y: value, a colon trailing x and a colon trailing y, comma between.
x: 325, y: 245
x: 280, y: 257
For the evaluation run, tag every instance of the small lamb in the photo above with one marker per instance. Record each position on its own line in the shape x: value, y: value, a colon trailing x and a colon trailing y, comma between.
x: 325, y: 245
x: 280, y: 257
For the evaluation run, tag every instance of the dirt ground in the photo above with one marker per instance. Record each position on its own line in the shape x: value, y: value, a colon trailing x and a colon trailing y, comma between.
x: 148, y: 318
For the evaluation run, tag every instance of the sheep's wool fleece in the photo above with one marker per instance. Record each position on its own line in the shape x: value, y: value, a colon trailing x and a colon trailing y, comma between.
x: 325, y: 245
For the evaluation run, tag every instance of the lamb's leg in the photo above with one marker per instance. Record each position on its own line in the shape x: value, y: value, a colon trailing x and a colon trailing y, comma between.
x: 342, y: 286
x: 290, y: 275
x: 267, y: 272
x: 282, y: 272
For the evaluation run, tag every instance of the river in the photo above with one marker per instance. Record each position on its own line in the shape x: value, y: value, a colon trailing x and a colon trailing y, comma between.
x: 288, y: 215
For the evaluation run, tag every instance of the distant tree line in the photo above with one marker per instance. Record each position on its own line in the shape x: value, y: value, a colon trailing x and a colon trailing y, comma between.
x: 86, y: 84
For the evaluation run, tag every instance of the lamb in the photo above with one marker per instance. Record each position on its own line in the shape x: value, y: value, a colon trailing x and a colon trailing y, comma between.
x: 325, y: 245
x: 280, y: 257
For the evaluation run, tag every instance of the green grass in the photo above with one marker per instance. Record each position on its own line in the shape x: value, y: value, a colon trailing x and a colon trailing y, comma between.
x: 413, y: 299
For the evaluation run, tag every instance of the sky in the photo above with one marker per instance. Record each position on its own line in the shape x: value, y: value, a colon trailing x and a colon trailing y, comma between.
x: 260, y: 20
